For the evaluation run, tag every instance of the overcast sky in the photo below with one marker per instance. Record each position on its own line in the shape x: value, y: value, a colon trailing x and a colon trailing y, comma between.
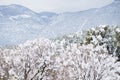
x: 58, y: 5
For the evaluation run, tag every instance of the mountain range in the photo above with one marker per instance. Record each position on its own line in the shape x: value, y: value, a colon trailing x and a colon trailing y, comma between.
x: 18, y: 23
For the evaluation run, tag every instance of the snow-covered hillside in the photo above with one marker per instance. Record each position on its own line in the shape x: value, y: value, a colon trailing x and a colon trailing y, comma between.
x: 19, y: 24
x: 71, y: 22
x: 64, y: 58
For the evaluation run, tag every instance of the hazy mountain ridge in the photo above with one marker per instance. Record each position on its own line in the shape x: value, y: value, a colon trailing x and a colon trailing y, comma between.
x: 109, y: 14
x: 22, y: 24
x: 19, y: 24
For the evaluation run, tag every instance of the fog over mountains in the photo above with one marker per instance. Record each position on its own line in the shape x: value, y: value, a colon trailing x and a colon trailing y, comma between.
x: 18, y: 23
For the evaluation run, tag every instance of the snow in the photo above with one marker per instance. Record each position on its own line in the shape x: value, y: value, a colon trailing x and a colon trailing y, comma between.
x: 1, y: 14
x: 44, y: 17
x: 118, y: 30
x: 51, y: 60
x: 19, y: 16
x: 69, y: 57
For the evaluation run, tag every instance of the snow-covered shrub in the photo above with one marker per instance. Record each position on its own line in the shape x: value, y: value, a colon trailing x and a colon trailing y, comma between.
x: 105, y: 35
x: 43, y: 59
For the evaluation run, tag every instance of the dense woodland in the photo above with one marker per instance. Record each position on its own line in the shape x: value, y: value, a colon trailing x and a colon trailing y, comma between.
x: 93, y: 54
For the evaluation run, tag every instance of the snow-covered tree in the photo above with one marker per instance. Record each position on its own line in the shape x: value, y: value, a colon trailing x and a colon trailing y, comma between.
x: 71, y: 57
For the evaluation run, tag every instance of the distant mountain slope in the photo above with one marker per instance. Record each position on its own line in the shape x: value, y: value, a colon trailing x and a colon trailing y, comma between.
x: 18, y: 23
x: 13, y: 10
x: 19, y: 13
x: 47, y: 17
x: 66, y: 23
x: 71, y: 22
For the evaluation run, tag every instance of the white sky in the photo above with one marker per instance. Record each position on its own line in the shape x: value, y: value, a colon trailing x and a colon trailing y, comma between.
x: 58, y: 5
